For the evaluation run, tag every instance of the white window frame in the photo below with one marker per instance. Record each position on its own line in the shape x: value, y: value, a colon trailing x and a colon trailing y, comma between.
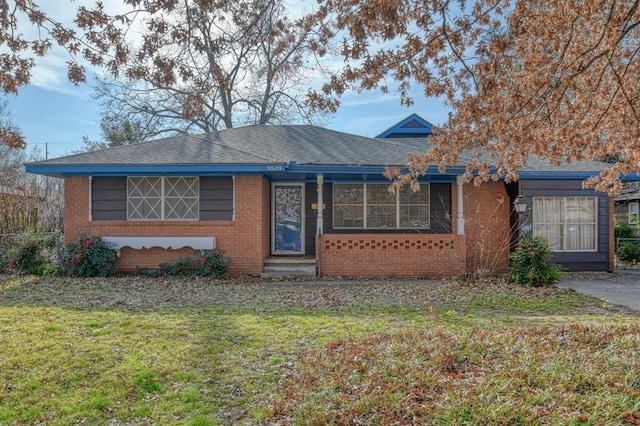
x: 632, y: 213
x: 423, y: 187
x: 165, y: 209
x: 564, y: 224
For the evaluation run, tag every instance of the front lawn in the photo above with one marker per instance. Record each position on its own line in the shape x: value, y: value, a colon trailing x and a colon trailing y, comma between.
x: 132, y: 350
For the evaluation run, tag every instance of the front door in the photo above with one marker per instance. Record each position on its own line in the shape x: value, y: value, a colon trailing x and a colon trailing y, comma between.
x: 287, y: 227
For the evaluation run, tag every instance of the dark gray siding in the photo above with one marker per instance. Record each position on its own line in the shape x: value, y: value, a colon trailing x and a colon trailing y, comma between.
x: 216, y: 198
x: 109, y: 198
x: 440, y: 198
x: 574, y: 261
x: 622, y: 211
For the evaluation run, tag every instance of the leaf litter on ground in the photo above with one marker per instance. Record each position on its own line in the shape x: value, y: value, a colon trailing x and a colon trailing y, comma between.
x: 242, y: 350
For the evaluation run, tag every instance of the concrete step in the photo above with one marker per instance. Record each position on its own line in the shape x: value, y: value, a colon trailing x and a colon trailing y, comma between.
x: 285, y: 274
x: 289, y: 268
x: 279, y: 267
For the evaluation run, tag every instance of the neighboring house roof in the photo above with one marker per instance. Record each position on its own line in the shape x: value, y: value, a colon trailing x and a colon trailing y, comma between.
x: 629, y: 191
x: 272, y: 149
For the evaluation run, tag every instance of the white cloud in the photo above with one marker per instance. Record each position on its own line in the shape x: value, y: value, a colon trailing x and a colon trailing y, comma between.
x: 354, y: 99
x: 50, y: 72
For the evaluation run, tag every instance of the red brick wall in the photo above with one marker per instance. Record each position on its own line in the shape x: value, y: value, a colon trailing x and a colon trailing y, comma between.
x: 76, y: 207
x: 244, y: 240
x: 266, y: 219
x: 487, y: 228
x: 376, y: 255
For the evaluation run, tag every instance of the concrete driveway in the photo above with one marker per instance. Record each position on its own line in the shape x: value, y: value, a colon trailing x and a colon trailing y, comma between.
x: 620, y: 288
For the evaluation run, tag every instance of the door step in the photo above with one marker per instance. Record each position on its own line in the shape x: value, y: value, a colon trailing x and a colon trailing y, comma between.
x: 280, y: 267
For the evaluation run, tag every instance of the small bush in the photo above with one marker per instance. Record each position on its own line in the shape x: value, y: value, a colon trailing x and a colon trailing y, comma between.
x: 530, y: 264
x: 30, y: 256
x: 629, y: 251
x: 622, y: 230
x: 90, y: 256
x: 209, y: 263
x: 185, y: 267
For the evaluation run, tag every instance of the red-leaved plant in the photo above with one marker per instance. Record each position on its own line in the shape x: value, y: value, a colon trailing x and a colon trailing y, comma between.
x: 90, y: 256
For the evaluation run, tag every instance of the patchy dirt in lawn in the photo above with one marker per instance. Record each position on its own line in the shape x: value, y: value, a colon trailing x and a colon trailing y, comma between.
x: 253, y: 294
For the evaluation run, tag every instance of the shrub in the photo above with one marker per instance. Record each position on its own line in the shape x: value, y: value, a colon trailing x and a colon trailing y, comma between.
x: 622, y: 230
x: 530, y: 264
x: 27, y: 258
x: 31, y: 255
x: 629, y: 251
x: 209, y: 263
x: 90, y: 256
x: 185, y: 267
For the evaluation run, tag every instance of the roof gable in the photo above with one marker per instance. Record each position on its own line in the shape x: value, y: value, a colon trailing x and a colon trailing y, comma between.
x: 413, y: 126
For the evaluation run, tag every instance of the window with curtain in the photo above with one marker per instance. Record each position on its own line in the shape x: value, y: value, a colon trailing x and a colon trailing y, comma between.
x: 163, y: 198
x: 567, y: 223
x: 632, y: 216
x: 372, y: 206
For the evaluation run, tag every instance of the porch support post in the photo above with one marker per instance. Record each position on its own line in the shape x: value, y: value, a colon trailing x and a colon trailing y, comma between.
x: 460, y: 219
x: 320, y: 219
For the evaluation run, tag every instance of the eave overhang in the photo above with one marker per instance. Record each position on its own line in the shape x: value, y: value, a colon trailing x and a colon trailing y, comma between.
x: 64, y: 170
x: 278, y: 171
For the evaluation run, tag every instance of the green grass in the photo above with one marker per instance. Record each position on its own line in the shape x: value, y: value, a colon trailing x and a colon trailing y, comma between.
x: 200, y: 352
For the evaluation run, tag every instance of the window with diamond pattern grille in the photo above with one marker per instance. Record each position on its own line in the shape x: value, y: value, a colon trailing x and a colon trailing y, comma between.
x: 162, y: 198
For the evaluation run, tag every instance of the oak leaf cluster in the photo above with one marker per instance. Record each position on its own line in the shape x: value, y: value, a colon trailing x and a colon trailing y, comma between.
x: 557, y: 79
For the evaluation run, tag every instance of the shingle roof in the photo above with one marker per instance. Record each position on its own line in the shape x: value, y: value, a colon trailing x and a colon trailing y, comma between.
x: 261, y: 144
x: 629, y: 191
x: 271, y: 144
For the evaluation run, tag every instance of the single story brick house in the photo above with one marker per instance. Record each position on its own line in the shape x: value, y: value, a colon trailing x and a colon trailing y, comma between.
x: 281, y: 199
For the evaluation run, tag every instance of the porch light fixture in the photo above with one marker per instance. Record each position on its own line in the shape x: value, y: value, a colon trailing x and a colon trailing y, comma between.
x: 520, y: 204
